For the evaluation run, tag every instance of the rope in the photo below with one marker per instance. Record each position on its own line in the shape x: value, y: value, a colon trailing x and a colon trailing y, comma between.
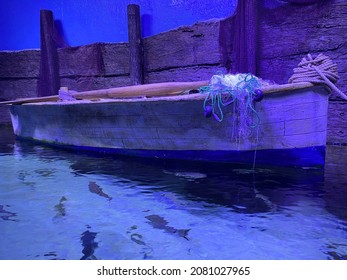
x: 227, y: 89
x: 319, y: 70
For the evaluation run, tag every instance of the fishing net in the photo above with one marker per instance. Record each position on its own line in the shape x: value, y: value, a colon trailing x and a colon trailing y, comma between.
x: 239, y: 92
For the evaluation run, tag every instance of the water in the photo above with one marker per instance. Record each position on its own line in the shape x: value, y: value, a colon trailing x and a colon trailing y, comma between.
x: 57, y: 204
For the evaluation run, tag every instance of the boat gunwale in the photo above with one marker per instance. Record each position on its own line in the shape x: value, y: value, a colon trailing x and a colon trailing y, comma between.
x: 273, y: 90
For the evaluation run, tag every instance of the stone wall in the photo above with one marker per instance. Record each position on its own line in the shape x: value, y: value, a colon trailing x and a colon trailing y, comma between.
x: 290, y: 32
x: 189, y: 53
x: 192, y: 53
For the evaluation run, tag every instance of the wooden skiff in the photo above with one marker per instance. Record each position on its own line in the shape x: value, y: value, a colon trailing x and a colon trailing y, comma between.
x: 291, y: 132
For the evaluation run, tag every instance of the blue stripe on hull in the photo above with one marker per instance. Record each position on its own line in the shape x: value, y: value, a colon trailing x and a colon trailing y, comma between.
x: 309, y: 156
x: 312, y: 156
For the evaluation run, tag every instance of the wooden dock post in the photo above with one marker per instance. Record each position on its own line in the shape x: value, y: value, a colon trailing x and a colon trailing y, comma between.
x: 135, y: 44
x: 49, y: 82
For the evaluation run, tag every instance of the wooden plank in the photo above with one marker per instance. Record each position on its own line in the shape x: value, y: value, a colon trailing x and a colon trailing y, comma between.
x: 83, y: 83
x: 109, y: 132
x: 292, y: 112
x: 81, y: 61
x: 184, y: 74
x: 135, y: 44
x: 313, y: 139
x: 191, y: 44
x: 304, y: 126
x: 23, y: 88
x: 116, y: 59
x: 288, y: 141
x: 20, y: 64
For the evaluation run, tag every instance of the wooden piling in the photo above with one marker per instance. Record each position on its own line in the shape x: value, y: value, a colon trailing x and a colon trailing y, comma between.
x: 49, y: 82
x: 135, y: 44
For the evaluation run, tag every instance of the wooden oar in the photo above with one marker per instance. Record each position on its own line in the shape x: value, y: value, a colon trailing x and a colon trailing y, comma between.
x: 30, y: 100
x: 156, y: 89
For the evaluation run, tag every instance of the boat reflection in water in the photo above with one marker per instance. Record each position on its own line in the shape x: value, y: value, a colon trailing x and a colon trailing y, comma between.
x: 108, y: 207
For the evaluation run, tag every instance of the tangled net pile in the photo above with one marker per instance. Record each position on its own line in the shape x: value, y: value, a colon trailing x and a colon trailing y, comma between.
x: 319, y: 70
x: 240, y: 91
x: 223, y: 90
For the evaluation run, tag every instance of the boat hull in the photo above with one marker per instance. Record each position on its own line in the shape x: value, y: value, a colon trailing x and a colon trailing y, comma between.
x: 291, y: 131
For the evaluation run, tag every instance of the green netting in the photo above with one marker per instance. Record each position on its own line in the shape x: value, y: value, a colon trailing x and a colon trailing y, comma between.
x: 240, y: 90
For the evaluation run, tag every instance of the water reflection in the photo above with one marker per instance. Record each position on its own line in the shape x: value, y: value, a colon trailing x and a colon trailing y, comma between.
x: 242, y: 188
x: 335, y: 184
x: 126, y: 208
x: 7, y: 215
x: 335, y: 195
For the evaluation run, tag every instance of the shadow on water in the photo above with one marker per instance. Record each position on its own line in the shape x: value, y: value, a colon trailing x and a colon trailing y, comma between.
x: 335, y: 181
x: 60, y: 208
x: 89, y: 244
x: 7, y: 215
x: 241, y: 188
x: 7, y: 139
x: 160, y: 223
